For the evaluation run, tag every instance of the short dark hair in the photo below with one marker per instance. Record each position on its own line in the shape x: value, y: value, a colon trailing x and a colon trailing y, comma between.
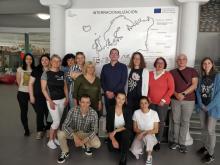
x: 160, y: 58
x: 144, y: 98
x: 24, y: 65
x: 84, y: 96
x: 115, y: 50
x: 66, y: 57
x: 142, y: 63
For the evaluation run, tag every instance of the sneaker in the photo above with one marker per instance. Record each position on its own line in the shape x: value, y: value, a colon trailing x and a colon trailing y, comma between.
x: 39, y: 135
x: 62, y: 157
x: 183, y: 149
x: 149, y: 160
x: 56, y: 141
x: 88, y: 151
x: 208, y: 158
x: 174, y: 146
x: 157, y: 147
x: 51, y: 145
x: 201, y: 151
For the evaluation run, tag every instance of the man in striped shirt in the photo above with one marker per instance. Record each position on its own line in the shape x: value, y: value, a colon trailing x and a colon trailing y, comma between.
x: 81, y: 125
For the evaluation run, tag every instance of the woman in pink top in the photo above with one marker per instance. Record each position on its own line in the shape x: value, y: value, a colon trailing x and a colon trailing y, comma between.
x: 161, y: 88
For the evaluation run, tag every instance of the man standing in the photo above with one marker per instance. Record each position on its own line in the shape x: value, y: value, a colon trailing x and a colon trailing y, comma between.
x: 183, y: 102
x: 81, y: 125
x: 113, y: 78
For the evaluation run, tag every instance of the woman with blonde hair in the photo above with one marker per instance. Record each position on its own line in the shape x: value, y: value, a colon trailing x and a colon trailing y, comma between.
x: 54, y: 88
x: 88, y: 83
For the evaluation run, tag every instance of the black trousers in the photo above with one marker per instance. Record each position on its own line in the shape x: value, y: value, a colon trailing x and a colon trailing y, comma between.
x: 23, y: 98
x: 162, y: 113
x: 40, y: 107
x: 133, y: 103
x: 124, y: 140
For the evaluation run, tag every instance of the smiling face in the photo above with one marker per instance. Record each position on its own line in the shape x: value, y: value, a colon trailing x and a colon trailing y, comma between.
x: 70, y: 62
x: 84, y: 103
x: 207, y: 65
x: 114, y: 55
x: 90, y: 69
x: 137, y: 60
x: 45, y: 62
x: 55, y: 63
x: 144, y: 105
x: 181, y: 61
x: 160, y: 65
x: 120, y: 99
x: 80, y: 59
x: 28, y: 60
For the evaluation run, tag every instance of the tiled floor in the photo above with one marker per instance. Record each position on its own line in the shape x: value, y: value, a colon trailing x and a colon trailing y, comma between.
x: 19, y: 150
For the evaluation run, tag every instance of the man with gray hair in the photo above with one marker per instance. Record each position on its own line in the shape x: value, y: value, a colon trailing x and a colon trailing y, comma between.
x: 183, y: 101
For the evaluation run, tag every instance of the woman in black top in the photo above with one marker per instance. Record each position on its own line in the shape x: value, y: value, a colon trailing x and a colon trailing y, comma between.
x: 36, y: 96
x: 119, y: 126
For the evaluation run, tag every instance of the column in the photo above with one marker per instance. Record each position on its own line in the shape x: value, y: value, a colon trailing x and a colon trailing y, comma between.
x: 189, y: 28
x: 57, y: 24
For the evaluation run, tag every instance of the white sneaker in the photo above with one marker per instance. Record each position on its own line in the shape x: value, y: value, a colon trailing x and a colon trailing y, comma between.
x: 149, y: 160
x: 56, y: 141
x: 51, y: 145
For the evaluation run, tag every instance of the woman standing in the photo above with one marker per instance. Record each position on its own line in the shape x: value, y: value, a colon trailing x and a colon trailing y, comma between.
x: 138, y: 79
x: 161, y: 88
x: 36, y: 96
x: 145, y: 125
x: 55, y: 91
x: 88, y: 83
x: 22, y: 79
x: 67, y: 62
x: 119, y: 127
x: 208, y: 97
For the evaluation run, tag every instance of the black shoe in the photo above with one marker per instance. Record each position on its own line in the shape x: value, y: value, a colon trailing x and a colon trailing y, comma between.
x: 123, y: 159
x: 62, y: 157
x: 201, y: 151
x: 183, y: 149
x: 88, y: 151
x: 208, y: 158
x: 27, y: 132
x: 157, y: 147
x: 174, y: 146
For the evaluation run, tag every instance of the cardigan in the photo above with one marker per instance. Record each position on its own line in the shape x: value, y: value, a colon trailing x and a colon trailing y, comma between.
x: 110, y: 119
x: 214, y: 106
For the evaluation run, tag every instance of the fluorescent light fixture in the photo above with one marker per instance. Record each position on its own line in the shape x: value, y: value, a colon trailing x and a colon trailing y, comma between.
x: 43, y: 16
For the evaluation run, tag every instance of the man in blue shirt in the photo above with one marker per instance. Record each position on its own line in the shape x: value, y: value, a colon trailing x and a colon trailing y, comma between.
x: 113, y: 78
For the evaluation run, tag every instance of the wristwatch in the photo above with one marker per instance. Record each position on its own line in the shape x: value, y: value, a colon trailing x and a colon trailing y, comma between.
x: 184, y: 94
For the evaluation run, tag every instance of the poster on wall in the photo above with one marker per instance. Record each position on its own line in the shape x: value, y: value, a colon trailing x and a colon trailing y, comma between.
x: 149, y: 30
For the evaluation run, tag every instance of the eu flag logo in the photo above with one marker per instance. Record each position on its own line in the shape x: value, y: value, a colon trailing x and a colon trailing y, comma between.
x: 157, y: 10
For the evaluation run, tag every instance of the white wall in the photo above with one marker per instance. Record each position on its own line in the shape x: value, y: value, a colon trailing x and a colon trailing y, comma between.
x: 120, y: 3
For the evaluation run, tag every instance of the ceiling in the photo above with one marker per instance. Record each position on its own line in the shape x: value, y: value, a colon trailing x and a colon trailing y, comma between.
x: 22, y: 13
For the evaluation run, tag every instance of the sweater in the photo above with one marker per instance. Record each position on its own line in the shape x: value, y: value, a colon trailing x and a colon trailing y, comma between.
x: 161, y: 88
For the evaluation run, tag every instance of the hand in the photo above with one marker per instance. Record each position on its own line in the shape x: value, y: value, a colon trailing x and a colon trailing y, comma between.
x: 179, y: 96
x: 112, y: 135
x: 78, y: 141
x: 161, y: 103
x: 32, y: 99
x: 99, y: 106
x: 66, y: 102
x: 204, y: 108
x: 115, y: 144
x: 52, y: 105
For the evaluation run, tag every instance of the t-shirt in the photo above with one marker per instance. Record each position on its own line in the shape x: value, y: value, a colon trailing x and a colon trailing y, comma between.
x: 181, y: 85
x: 135, y: 83
x: 55, y: 84
x: 25, y: 76
x: 207, y: 87
x: 37, y: 73
x: 145, y: 121
x: 119, y: 121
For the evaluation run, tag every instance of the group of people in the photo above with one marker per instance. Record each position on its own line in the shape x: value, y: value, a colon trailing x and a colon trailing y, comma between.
x: 136, y: 102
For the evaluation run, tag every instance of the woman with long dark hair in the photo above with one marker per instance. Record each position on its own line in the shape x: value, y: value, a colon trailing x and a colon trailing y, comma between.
x: 119, y: 127
x: 22, y: 79
x: 36, y: 96
x: 208, y: 100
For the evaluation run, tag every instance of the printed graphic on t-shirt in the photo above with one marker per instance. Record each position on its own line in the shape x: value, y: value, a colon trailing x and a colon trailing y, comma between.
x: 132, y: 82
x: 59, y: 77
x: 26, y: 77
x: 206, y: 90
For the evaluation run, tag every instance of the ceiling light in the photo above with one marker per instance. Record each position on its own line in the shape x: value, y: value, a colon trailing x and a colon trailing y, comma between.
x: 43, y: 16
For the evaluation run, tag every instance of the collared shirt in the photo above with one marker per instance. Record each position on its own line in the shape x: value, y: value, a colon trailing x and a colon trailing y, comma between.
x: 75, y: 122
